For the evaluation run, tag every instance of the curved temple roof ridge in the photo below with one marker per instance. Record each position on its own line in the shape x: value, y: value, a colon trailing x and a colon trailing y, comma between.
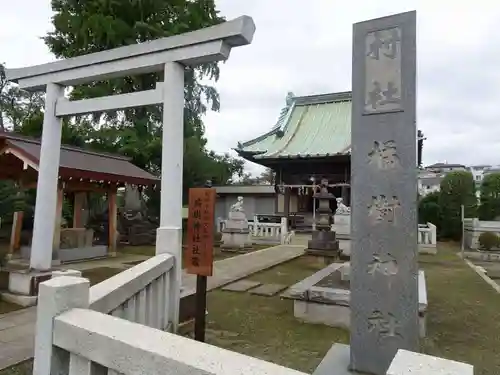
x: 308, y: 126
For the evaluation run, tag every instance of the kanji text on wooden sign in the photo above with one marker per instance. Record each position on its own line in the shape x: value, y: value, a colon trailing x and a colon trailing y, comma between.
x: 200, y: 231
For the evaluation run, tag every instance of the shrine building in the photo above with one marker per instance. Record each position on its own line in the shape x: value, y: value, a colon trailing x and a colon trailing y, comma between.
x: 310, y: 141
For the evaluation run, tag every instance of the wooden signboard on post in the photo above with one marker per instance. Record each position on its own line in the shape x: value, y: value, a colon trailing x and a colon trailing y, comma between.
x: 200, y: 253
x: 200, y: 231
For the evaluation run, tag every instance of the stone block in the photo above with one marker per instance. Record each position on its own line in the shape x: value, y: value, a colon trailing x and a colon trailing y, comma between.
x: 237, y: 216
x: 335, y: 362
x: 74, y: 273
x: 25, y: 282
x: 345, y: 272
x: 342, y: 225
x: 411, y: 363
x: 241, y: 286
x: 268, y: 290
x: 317, y: 313
x: 236, y: 240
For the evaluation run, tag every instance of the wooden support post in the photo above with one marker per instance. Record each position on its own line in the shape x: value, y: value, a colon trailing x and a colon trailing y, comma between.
x: 15, y: 236
x: 286, y: 208
x: 56, y: 243
x: 77, y: 209
x: 112, y: 222
x: 201, y: 308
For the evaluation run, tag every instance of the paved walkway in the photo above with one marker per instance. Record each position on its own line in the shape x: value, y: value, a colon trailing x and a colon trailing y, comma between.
x: 17, y: 328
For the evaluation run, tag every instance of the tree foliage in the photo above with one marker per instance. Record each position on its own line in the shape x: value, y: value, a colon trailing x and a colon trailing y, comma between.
x: 489, y: 208
x: 17, y: 106
x: 428, y: 209
x: 10, y: 201
x: 83, y: 27
x: 265, y: 178
x: 457, y: 189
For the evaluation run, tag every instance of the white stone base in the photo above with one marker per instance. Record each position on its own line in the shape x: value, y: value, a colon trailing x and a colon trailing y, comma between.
x: 487, y: 256
x: 23, y: 286
x: 411, y: 363
x: 236, y: 241
x: 427, y: 249
x: 338, y: 358
x: 319, y: 313
x: 19, y: 299
x: 336, y: 362
x: 342, y: 226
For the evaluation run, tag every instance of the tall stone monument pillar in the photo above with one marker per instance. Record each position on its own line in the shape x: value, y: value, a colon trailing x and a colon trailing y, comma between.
x: 384, y: 304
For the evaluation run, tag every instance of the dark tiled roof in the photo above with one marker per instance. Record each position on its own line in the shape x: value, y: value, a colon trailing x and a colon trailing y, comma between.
x: 79, y: 163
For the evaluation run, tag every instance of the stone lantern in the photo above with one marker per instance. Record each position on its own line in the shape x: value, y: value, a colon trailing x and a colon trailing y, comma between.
x: 323, y: 242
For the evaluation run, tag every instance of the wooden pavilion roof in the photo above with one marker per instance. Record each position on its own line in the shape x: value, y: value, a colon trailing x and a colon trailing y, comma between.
x: 20, y: 157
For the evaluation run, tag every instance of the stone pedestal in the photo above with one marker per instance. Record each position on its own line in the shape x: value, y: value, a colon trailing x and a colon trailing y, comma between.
x: 323, y: 243
x: 236, y: 235
x: 342, y: 226
x: 23, y: 286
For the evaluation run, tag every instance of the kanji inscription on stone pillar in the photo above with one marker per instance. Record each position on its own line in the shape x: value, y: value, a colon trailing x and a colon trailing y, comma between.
x: 384, y: 269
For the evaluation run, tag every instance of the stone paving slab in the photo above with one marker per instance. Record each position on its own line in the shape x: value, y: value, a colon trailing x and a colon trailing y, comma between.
x: 241, y: 286
x: 268, y: 290
x: 17, y: 331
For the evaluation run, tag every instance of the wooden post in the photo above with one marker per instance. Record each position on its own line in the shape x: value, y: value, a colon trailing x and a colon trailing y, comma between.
x: 15, y: 236
x: 77, y: 209
x: 286, y: 208
x: 56, y: 243
x: 112, y: 222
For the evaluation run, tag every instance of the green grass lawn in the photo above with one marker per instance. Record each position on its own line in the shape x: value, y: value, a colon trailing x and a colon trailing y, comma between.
x: 462, y: 320
x: 96, y: 275
x: 265, y: 327
x: 463, y: 315
x: 7, y: 307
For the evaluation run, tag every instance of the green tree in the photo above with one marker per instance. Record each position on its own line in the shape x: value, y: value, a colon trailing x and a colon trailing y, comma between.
x: 428, y: 209
x: 457, y: 189
x: 10, y: 201
x: 489, y: 208
x: 83, y: 27
x: 17, y: 106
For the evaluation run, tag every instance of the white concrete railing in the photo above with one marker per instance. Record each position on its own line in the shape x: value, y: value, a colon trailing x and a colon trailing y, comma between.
x: 427, y: 235
x: 72, y: 339
x: 473, y: 227
x: 138, y: 294
x: 265, y: 231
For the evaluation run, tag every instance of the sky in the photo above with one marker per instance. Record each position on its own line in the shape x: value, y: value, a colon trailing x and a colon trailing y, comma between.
x: 305, y: 47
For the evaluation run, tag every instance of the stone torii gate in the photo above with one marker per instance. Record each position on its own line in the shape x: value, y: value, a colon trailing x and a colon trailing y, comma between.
x: 169, y: 55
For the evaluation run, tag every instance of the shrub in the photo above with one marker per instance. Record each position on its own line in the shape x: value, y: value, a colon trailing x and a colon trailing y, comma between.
x: 428, y: 209
x: 457, y: 188
x: 488, y: 240
x: 490, y: 197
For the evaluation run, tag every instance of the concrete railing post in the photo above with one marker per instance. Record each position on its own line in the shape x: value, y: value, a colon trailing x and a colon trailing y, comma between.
x: 284, y: 229
x: 433, y: 233
x: 56, y: 296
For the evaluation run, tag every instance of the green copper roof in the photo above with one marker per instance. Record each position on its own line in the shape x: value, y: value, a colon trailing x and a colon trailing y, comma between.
x: 309, y: 126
